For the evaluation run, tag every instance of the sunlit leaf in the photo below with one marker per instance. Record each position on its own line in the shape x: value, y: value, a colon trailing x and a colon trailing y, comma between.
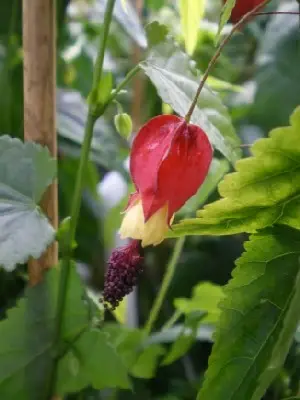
x: 264, y: 191
x: 26, y: 169
x: 260, y: 314
x: 191, y: 14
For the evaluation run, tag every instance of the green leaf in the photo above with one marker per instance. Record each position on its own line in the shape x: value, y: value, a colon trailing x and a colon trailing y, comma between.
x: 91, y: 361
x: 170, y: 71
x: 27, y: 335
x: 206, y: 297
x: 146, y: 363
x: 141, y: 358
x: 278, y: 58
x: 26, y: 170
x: 225, y: 15
x: 186, y: 338
x: 264, y: 191
x: 156, y: 33
x: 217, y: 170
x: 259, y: 317
x: 191, y: 13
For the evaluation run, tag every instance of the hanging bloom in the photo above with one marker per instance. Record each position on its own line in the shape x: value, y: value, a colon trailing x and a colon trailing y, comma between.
x: 125, y: 265
x: 241, y: 8
x: 169, y: 161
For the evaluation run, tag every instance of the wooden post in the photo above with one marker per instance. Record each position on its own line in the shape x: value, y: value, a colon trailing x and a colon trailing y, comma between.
x: 39, y: 45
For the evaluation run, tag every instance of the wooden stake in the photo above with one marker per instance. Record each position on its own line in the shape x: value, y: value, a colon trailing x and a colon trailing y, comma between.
x: 39, y: 45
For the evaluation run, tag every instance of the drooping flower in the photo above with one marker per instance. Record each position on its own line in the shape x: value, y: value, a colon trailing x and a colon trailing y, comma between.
x: 125, y: 265
x: 241, y: 8
x: 169, y: 161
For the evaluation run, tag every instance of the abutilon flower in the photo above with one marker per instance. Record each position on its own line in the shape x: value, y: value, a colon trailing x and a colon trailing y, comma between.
x: 125, y: 265
x: 241, y: 8
x: 169, y: 161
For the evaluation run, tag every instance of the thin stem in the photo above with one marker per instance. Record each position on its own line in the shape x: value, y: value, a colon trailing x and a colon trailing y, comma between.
x: 88, y: 134
x: 171, y: 321
x: 121, y: 85
x: 277, y: 13
x: 167, y: 279
x: 218, y: 53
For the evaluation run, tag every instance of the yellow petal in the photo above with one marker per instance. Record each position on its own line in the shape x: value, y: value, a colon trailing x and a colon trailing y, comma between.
x: 152, y: 232
x: 156, y: 227
x: 133, y: 222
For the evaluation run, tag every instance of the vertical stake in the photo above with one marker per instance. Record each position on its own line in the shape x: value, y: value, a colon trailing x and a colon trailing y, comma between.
x: 39, y: 44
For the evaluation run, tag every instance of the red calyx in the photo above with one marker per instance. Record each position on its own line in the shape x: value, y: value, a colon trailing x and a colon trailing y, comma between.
x: 169, y: 161
x: 241, y: 8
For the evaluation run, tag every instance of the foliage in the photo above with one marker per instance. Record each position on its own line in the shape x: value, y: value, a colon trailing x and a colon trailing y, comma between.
x: 22, y: 185
x: 56, y: 337
x: 264, y: 190
x: 259, y: 317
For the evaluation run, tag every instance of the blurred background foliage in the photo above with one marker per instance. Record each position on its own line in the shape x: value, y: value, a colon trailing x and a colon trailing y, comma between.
x: 258, y: 78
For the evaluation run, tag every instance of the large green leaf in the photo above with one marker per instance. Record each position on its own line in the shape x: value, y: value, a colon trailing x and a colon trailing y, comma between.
x: 91, y: 361
x: 170, y: 71
x: 27, y: 334
x: 264, y: 191
x: 26, y: 345
x: 259, y: 317
x: 25, y: 172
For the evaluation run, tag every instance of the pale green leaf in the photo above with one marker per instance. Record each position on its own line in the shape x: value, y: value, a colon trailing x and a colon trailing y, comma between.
x: 26, y: 170
x: 170, y: 71
x: 260, y: 314
x: 191, y: 14
x: 264, y: 191
x: 225, y: 15
x: 206, y: 297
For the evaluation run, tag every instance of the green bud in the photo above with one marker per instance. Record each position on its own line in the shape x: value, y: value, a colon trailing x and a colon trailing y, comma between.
x: 123, y: 125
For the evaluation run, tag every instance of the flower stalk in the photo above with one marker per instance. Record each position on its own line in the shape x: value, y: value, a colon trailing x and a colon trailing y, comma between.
x: 67, y: 250
x: 217, y: 54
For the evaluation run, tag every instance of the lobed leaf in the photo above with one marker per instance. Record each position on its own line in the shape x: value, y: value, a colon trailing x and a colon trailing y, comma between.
x: 264, y: 191
x: 26, y: 170
x: 259, y: 317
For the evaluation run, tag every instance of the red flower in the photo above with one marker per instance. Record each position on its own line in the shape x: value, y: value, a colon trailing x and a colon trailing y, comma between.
x: 241, y: 8
x: 169, y: 161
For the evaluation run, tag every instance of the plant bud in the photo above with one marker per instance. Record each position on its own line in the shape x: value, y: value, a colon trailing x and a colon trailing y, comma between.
x: 123, y: 125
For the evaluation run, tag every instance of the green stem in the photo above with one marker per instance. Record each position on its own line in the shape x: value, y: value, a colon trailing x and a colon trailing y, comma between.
x: 171, y: 267
x: 171, y: 321
x: 67, y: 257
x: 217, y: 55
x: 121, y: 85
